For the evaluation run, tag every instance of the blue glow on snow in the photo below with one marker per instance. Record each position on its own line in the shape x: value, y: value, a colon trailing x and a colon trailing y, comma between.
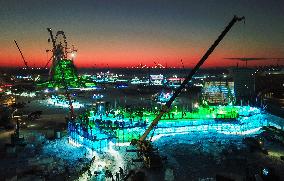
x: 61, y: 102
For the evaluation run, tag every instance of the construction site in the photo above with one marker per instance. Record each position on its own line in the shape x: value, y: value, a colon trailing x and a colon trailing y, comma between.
x: 73, y: 127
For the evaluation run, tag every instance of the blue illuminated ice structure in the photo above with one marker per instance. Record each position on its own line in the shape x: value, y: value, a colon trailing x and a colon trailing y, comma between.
x: 62, y: 102
x: 92, y: 138
x: 250, y: 122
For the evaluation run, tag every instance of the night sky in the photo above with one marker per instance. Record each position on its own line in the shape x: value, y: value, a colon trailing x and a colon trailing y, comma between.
x: 121, y: 33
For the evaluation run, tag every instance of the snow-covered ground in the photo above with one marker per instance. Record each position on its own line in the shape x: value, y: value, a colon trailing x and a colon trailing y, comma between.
x: 91, y: 165
x: 62, y: 148
x: 72, y: 158
x: 191, y: 155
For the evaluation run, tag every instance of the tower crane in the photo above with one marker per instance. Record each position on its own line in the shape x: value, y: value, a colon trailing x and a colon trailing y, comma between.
x: 182, y: 63
x: 145, y: 149
x: 246, y: 59
x: 25, y: 62
x: 59, y: 52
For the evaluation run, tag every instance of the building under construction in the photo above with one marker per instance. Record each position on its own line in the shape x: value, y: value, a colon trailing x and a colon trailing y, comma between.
x: 63, y: 72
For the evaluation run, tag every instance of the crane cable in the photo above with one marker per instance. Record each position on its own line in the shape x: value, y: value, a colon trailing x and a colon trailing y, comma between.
x: 244, y: 42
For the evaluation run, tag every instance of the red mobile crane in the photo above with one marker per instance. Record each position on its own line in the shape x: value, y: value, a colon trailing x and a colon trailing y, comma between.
x: 145, y: 149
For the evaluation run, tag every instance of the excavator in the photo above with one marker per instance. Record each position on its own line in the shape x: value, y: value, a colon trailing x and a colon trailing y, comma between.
x: 145, y: 150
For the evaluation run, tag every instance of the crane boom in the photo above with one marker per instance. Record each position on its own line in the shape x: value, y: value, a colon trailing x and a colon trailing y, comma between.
x: 182, y: 63
x: 51, y: 36
x: 25, y: 62
x: 189, y: 77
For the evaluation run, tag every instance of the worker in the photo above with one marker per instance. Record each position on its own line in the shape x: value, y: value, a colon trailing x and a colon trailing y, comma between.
x: 121, y: 172
x: 117, y: 176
